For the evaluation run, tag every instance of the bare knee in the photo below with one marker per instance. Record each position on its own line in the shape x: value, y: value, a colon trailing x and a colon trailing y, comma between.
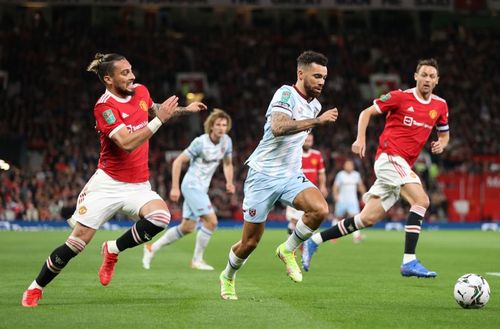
x: 187, y: 226
x: 319, y: 213
x: 423, y: 201
x: 210, y: 222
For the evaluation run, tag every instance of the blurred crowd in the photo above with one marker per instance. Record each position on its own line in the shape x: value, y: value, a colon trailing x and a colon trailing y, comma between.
x: 46, y: 104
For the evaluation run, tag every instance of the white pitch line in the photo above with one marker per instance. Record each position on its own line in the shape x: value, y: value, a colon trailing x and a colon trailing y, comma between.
x: 493, y: 273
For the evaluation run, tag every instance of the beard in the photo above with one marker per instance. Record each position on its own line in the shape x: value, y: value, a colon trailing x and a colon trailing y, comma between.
x: 125, y: 92
x: 310, y: 91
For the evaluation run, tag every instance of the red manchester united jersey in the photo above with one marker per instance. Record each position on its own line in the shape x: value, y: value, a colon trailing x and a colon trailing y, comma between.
x: 312, y: 165
x: 112, y: 113
x: 409, y: 122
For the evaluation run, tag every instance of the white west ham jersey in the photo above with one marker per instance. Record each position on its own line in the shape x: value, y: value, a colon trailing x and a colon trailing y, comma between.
x: 348, y: 185
x: 282, y: 156
x: 205, y: 157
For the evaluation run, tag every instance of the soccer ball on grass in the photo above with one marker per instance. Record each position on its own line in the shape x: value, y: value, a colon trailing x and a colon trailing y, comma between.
x: 471, y: 291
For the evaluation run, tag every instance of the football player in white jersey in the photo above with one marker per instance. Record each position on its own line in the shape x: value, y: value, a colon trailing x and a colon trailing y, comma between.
x: 204, y: 155
x: 275, y: 170
x: 345, y: 190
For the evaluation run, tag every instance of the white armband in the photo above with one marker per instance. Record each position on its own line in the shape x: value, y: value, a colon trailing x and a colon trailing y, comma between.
x: 154, y: 124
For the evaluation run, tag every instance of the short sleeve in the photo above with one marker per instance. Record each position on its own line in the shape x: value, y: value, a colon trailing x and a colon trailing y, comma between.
x: 108, y: 120
x: 321, y: 164
x: 228, y: 152
x: 282, y: 101
x: 388, y: 102
x: 194, y: 149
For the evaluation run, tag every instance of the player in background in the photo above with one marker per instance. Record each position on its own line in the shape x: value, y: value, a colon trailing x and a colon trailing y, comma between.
x: 345, y: 190
x: 275, y: 170
x: 204, y: 155
x: 121, y: 181
x: 410, y: 117
x: 313, y: 167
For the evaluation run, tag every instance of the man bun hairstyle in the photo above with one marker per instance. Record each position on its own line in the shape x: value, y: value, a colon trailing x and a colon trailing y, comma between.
x: 427, y: 62
x: 216, y: 114
x: 308, y: 57
x: 103, y: 64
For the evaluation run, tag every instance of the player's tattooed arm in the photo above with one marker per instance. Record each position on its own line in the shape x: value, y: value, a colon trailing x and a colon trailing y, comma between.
x: 179, y: 110
x: 153, y: 110
x: 282, y: 124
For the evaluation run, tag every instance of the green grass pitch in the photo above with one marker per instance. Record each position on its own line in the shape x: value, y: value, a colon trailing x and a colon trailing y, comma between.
x: 349, y: 286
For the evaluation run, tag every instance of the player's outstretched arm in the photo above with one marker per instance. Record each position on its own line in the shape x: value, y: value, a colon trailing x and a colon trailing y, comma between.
x: 129, y: 141
x: 179, y: 110
x: 359, y: 145
x: 282, y: 124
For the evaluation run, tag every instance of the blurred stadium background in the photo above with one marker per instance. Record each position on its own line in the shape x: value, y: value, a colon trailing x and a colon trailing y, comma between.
x: 233, y: 54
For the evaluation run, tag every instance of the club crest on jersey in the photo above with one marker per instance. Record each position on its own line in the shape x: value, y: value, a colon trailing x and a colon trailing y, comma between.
x: 143, y: 105
x: 433, y: 114
x: 314, y: 162
x: 252, y: 212
x: 109, y: 116
x: 285, y: 96
x: 385, y: 98
x: 82, y: 210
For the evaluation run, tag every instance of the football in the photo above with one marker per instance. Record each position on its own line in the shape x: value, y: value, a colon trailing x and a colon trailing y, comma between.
x: 471, y: 291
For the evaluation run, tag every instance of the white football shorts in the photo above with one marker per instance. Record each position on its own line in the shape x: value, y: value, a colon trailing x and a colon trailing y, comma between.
x: 392, y: 172
x: 102, y: 197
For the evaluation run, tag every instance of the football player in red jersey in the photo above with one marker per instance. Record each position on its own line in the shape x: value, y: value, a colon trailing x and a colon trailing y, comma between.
x: 410, y: 117
x: 121, y: 181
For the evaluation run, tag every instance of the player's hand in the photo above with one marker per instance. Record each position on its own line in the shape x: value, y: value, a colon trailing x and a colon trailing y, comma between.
x: 436, y: 147
x: 167, y: 108
x: 359, y: 147
x: 175, y: 194
x: 230, y: 188
x: 323, y: 191
x: 329, y: 116
x: 196, y: 107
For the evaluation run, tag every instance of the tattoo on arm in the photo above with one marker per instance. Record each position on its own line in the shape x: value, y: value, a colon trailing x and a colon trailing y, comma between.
x: 180, y: 110
x: 153, y: 110
x: 282, y: 124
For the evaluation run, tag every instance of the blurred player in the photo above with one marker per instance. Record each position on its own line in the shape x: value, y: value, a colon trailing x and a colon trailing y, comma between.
x: 121, y: 180
x: 410, y: 118
x: 313, y: 167
x: 345, y: 190
x: 204, y: 154
x: 275, y: 170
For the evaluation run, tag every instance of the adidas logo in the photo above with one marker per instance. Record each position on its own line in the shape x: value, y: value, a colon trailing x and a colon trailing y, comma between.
x: 124, y: 115
x: 410, y: 109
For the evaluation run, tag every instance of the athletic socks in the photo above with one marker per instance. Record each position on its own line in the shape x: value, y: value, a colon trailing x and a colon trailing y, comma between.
x: 202, y: 239
x: 142, y: 231
x: 343, y: 227
x: 301, y: 233
x: 173, y: 234
x: 412, y: 229
x: 234, y: 263
x: 58, y: 259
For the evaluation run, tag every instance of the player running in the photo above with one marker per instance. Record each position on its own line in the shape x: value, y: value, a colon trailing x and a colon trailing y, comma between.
x: 275, y: 170
x: 204, y: 155
x: 410, y: 117
x: 121, y: 180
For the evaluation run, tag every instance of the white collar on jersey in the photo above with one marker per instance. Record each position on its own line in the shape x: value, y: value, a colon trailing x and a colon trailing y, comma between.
x: 423, y: 101
x: 118, y: 99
